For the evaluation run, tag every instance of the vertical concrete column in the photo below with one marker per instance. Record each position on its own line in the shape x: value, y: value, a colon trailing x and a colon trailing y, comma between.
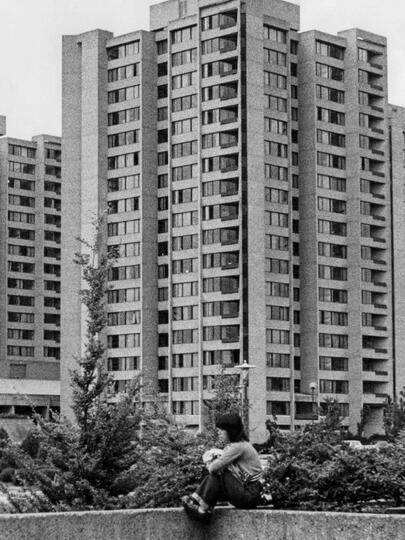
x: 84, y: 159
x: 253, y: 233
x: 149, y: 218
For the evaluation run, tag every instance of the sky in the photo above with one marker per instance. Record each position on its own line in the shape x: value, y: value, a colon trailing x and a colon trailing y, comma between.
x: 31, y: 38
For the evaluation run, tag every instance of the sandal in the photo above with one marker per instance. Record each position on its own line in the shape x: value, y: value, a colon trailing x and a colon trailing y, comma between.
x: 194, y: 510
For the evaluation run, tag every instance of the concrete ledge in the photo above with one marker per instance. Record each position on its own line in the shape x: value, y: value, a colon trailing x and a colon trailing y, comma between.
x: 227, y: 523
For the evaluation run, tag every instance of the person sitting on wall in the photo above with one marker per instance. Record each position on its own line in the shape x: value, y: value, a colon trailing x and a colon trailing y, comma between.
x: 235, y: 473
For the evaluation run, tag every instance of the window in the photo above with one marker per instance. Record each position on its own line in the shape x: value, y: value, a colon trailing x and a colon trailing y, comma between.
x: 115, y: 296
x: 326, y: 204
x: 333, y: 387
x: 333, y: 363
x: 184, y: 195
x: 331, y: 138
x: 330, y: 94
x: 19, y: 183
x: 224, y: 67
x: 276, y: 242
x: 184, y: 103
x: 224, y: 187
x: 184, y: 149
x: 275, y: 103
x: 21, y: 200
x: 332, y: 295
x: 184, y: 57
x: 123, y: 341
x: 185, y: 172
x: 225, y: 285
x: 123, y: 183
x: 332, y: 227
x: 274, y: 172
x: 224, y: 260
x: 22, y: 151
x: 276, y: 219
x: 226, y: 334
x: 336, y: 341
x: 332, y: 250
x: 331, y: 116
x: 277, y: 313
x: 221, y: 211
x: 272, y: 125
x: 221, y: 44
x: 224, y: 163
x: 180, y: 127
x: 123, y: 318
x: 123, y: 160
x: 331, y: 182
x: 123, y: 227
x: 130, y: 204
x: 277, y: 266
x: 119, y: 273
x: 219, y: 20
x: 129, y: 249
x: 275, y: 80
x: 25, y: 168
x: 20, y: 350
x: 329, y: 72
x: 277, y: 360
x: 123, y: 138
x: 124, y: 116
x: 120, y: 51
x: 21, y: 217
x: 161, y: 47
x: 278, y: 384
x: 23, y: 251
x: 184, y: 266
x: 188, y: 241
x: 184, y: 34
x: 123, y: 72
x: 275, y: 149
x: 185, y: 313
x: 189, y: 288
x: 16, y: 266
x: 220, y: 91
x: 337, y: 318
x: 332, y: 272
x: 277, y: 336
x: 329, y: 49
x: 275, y: 57
x: 189, y: 335
x: 224, y: 236
x: 331, y: 160
x: 184, y: 219
x: 275, y: 34
x: 124, y: 94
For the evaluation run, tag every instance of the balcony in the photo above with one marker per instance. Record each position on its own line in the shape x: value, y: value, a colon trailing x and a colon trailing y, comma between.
x: 379, y: 283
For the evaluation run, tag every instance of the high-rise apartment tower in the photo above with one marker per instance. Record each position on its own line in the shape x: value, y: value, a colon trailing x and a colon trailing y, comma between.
x: 30, y: 237
x: 242, y: 168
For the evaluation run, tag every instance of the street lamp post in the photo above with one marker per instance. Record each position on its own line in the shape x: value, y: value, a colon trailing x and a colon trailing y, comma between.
x: 312, y: 387
x: 244, y: 376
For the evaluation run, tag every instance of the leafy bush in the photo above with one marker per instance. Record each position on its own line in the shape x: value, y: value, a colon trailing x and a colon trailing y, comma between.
x: 316, y: 470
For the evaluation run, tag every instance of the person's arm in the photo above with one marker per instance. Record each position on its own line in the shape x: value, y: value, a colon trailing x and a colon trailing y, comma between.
x: 229, y: 455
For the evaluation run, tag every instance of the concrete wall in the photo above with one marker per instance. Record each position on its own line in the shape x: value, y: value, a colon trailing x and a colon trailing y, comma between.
x: 227, y: 523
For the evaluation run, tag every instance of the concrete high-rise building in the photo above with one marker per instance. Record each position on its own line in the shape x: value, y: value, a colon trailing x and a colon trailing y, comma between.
x: 30, y: 230
x: 242, y: 168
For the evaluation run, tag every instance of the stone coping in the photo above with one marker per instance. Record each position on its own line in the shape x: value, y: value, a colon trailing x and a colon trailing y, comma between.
x: 227, y: 523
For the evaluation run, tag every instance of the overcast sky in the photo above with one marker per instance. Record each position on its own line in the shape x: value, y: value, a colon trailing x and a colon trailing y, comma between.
x: 30, y: 41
